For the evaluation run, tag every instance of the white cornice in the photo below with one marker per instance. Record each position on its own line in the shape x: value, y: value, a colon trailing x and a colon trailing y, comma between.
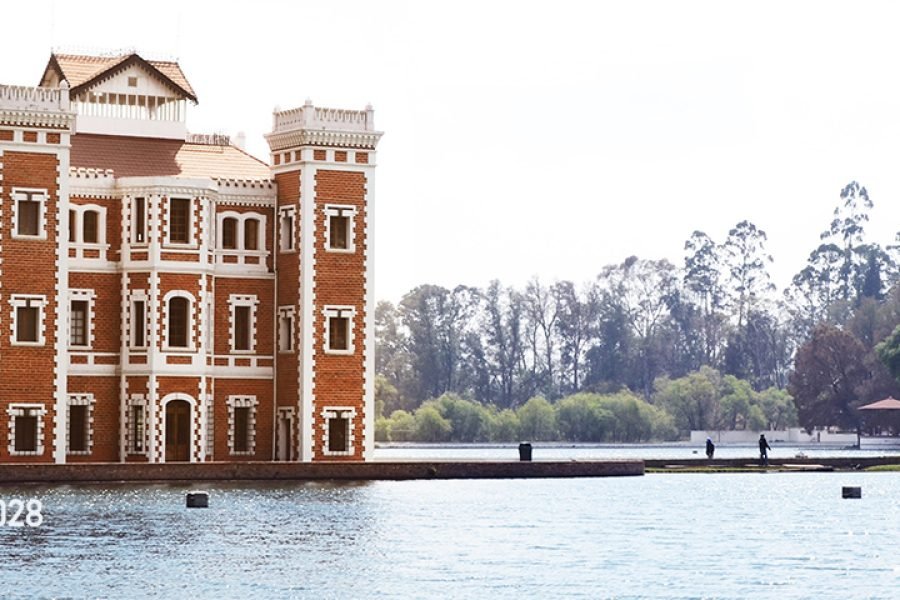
x: 305, y: 137
x: 27, y: 118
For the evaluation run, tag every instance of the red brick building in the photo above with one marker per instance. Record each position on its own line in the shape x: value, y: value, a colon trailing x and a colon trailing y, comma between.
x: 168, y: 297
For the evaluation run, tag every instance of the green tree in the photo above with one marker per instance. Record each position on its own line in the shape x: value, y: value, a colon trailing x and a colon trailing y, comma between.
x: 778, y: 408
x: 504, y: 426
x: 692, y: 400
x: 431, y: 426
x: 402, y: 427
x: 581, y: 418
x: 888, y: 352
x: 537, y: 420
x: 469, y: 420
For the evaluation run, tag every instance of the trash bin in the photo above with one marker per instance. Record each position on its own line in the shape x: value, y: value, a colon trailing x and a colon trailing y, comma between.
x: 525, y: 451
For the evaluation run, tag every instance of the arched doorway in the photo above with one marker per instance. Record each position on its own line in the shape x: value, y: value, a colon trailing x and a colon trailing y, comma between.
x: 178, y: 431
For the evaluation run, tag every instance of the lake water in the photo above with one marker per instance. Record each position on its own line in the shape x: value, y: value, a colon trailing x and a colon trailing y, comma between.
x: 766, y: 535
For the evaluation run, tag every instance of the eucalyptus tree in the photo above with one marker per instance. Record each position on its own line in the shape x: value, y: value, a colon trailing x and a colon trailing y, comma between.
x: 576, y: 326
x: 643, y: 290
x: 542, y: 311
x: 847, y: 231
x: 437, y: 320
x: 503, y: 326
x: 746, y: 260
x: 704, y: 286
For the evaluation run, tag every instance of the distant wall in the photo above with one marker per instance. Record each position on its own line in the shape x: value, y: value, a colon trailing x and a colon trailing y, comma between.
x: 794, y: 435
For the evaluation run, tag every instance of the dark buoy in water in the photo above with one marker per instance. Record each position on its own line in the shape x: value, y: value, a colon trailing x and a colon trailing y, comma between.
x: 851, y: 492
x: 197, y: 500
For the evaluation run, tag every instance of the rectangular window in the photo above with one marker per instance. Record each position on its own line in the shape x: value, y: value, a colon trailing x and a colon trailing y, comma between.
x: 136, y: 427
x: 286, y: 229
x: 241, y: 327
x: 337, y: 333
x: 138, y: 324
x: 178, y: 322
x: 179, y: 220
x: 89, y: 227
x: 338, y: 228
x: 73, y: 225
x: 229, y: 233
x: 251, y: 234
x: 286, y: 332
x: 78, y: 323
x: 28, y: 215
x: 242, y: 429
x: 27, y: 323
x: 26, y: 432
x: 78, y: 428
x: 338, y: 434
x: 139, y: 225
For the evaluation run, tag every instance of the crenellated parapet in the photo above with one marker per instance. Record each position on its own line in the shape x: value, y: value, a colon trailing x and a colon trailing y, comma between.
x: 24, y: 106
x: 310, y: 125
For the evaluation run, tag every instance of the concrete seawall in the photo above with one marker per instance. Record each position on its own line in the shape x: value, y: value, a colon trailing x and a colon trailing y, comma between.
x: 841, y: 463
x: 270, y: 471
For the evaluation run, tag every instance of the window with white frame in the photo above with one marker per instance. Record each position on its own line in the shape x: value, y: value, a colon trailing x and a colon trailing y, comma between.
x: 286, y: 228
x: 27, y: 320
x: 339, y: 329
x: 81, y: 318
x: 87, y: 224
x: 29, y: 213
x: 136, y: 434
x: 242, y: 424
x: 339, y: 228
x: 79, y: 421
x: 138, y: 221
x: 243, y: 322
x: 337, y: 429
x: 26, y: 429
x: 138, y: 320
x: 178, y: 320
x: 285, y: 328
x: 243, y: 232
x: 181, y: 221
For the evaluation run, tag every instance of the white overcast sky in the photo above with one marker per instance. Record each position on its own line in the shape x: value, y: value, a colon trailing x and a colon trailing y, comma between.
x: 543, y: 139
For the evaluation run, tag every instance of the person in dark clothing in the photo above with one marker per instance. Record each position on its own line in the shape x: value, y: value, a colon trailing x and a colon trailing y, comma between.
x: 710, y: 448
x: 764, y: 448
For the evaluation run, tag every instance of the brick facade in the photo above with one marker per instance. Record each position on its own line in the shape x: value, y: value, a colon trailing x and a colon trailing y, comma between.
x: 182, y: 287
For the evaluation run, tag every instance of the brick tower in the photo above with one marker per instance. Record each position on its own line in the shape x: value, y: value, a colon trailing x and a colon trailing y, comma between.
x: 165, y: 296
x: 323, y: 163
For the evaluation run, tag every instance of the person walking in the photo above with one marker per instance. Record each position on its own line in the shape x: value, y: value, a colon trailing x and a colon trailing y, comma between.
x: 764, y: 448
x: 710, y: 448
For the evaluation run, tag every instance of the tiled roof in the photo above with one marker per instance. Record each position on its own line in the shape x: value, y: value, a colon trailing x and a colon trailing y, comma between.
x: 153, y: 157
x: 79, y: 69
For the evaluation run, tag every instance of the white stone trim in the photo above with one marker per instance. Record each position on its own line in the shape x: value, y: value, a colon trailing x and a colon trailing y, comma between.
x: 242, y: 402
x: 19, y: 409
x: 251, y: 302
x: 240, y: 251
x: 287, y: 327
x: 193, y: 226
x: 31, y: 301
x: 191, y: 342
x: 285, y: 213
x: 341, y: 210
x: 82, y: 295
x: 78, y: 244
x: 28, y: 194
x: 369, y: 316
x: 331, y: 311
x: 332, y: 412
x: 81, y: 400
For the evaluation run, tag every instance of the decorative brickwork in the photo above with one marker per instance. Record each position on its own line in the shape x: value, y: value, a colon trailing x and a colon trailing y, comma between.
x: 166, y: 298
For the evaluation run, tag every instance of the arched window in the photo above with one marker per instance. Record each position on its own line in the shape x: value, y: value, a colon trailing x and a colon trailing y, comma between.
x: 251, y: 234
x: 89, y: 221
x: 178, y: 322
x: 229, y: 233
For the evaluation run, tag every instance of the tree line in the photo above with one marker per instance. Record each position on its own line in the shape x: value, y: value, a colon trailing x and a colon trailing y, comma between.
x: 650, y: 331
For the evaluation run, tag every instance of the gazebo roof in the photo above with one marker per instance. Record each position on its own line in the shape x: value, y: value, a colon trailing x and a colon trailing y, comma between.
x: 889, y: 403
